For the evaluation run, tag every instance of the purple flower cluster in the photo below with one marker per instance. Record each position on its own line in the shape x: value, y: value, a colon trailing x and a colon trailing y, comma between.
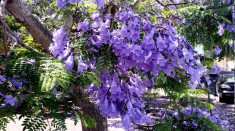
x: 221, y: 28
x: 139, y: 46
x: 194, y: 113
x: 217, y: 50
x: 8, y: 99
x: 62, y: 3
x: 13, y: 81
x: 61, y: 48
x: 121, y: 98
x: 100, y: 3
x: 215, y: 69
x: 158, y: 49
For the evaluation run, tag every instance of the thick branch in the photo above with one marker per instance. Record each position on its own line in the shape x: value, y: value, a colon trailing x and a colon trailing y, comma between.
x: 35, y: 28
x: 8, y: 31
x: 136, y: 4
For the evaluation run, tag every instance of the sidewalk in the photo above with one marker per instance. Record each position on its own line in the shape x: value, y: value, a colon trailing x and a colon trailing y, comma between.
x: 16, y: 126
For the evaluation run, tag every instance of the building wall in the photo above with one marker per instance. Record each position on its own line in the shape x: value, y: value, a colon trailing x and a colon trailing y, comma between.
x: 226, y: 64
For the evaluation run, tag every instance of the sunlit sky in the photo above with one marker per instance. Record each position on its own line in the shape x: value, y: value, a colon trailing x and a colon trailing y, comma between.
x: 199, y: 49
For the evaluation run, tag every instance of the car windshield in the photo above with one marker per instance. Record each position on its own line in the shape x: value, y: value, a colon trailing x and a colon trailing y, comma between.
x: 229, y: 78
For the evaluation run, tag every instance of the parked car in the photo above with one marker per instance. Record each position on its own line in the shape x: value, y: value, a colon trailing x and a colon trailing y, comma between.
x: 225, y: 86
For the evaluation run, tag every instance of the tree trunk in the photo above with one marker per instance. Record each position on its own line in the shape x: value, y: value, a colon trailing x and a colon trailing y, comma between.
x: 89, y: 108
x: 35, y: 28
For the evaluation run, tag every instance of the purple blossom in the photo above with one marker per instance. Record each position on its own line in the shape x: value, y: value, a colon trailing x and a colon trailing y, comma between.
x: 161, y: 43
x: 81, y: 66
x: 9, y: 99
x: 230, y: 28
x: 2, y: 79
x: 217, y: 50
x: 16, y: 83
x: 83, y: 25
x: 60, y: 41
x: 187, y: 55
x: 123, y: 16
x: 24, y: 1
x: 233, y: 45
x: 147, y: 25
x: 126, y: 122
x: 36, y: 2
x: 221, y: 29
x: 100, y: 3
x: 62, y: 3
x: 215, y: 69
x: 194, y: 124
x: 94, y: 15
x: 69, y: 63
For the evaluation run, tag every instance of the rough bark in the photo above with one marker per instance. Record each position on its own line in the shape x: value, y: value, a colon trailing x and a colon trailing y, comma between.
x: 90, y: 109
x: 34, y: 27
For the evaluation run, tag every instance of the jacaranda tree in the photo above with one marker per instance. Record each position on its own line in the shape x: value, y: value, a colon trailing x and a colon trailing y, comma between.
x: 96, y: 59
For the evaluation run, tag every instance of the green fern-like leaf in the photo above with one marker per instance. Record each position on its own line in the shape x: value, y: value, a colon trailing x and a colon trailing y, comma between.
x: 34, y: 123
x: 3, y: 123
x: 42, y: 73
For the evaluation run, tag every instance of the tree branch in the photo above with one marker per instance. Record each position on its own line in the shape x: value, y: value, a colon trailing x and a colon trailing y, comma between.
x: 175, y: 4
x: 185, y: 3
x: 159, y: 2
x: 136, y: 4
x: 8, y: 31
x: 34, y: 27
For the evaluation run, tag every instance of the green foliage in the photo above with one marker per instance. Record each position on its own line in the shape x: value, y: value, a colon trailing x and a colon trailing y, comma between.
x: 59, y: 124
x: 3, y: 123
x: 6, y: 115
x: 207, y: 125
x: 76, y: 118
x: 39, y: 107
x: 165, y: 126
x: 52, y: 71
x: 34, y: 123
x: 201, y: 27
x: 88, y: 121
x: 42, y: 72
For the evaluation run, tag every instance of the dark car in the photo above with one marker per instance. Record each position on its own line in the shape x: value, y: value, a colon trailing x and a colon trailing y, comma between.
x: 225, y: 85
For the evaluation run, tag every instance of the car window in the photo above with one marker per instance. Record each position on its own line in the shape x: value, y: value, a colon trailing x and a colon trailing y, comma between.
x: 228, y: 78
